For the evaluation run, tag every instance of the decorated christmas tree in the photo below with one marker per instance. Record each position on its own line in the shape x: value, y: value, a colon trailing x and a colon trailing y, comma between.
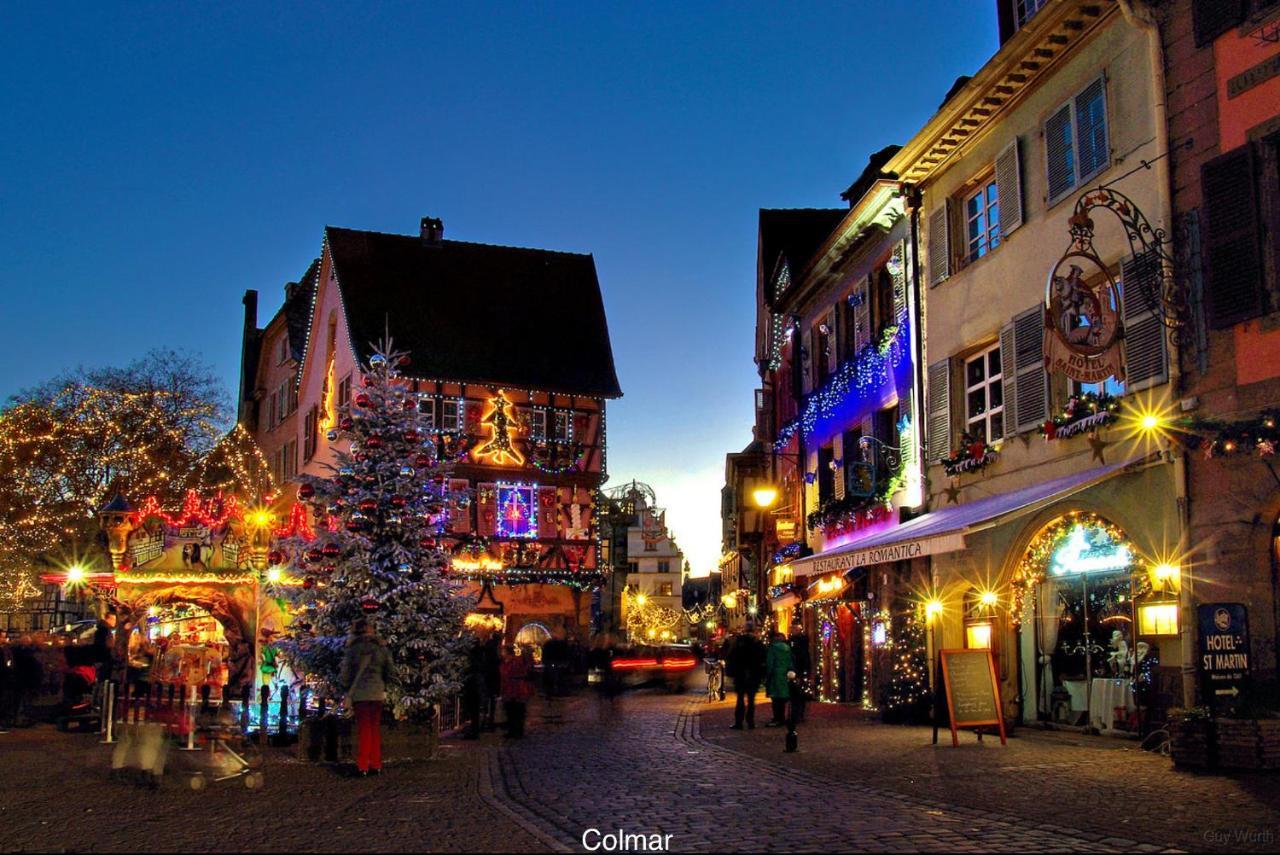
x: 376, y: 550
x: 906, y: 697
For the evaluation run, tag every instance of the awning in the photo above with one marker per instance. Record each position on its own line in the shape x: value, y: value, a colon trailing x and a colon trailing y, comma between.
x: 784, y: 601
x: 944, y: 530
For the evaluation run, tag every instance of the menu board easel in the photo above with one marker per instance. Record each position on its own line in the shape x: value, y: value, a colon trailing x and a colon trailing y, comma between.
x: 973, y: 691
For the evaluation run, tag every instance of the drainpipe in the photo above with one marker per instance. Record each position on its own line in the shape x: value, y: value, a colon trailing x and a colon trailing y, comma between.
x: 1142, y: 15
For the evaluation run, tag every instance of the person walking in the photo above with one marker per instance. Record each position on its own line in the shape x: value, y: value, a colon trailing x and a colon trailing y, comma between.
x: 517, y: 688
x: 802, y: 664
x: 366, y: 671
x: 744, y: 664
x: 492, y: 681
x: 473, y: 689
x: 777, y: 677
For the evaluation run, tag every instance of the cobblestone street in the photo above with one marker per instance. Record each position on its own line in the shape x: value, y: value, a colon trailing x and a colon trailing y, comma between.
x: 656, y: 764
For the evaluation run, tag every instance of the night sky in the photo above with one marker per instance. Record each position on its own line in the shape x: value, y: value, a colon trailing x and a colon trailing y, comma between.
x: 157, y: 160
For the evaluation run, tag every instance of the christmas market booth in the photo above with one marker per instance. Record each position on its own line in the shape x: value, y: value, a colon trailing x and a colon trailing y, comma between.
x: 194, y: 598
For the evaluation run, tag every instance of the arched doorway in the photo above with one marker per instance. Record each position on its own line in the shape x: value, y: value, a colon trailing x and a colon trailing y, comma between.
x: 1077, y: 589
x: 532, y: 635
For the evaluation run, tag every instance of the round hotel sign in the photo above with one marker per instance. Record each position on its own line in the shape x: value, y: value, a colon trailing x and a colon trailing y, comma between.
x: 1082, y: 320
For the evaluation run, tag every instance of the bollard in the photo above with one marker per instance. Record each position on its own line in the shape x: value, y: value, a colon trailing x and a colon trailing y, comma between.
x: 246, y: 692
x: 263, y: 704
x: 284, y: 712
x: 793, y: 738
x: 108, y: 712
x: 189, y: 718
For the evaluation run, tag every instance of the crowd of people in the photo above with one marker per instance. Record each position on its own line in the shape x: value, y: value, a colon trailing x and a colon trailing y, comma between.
x: 782, y: 667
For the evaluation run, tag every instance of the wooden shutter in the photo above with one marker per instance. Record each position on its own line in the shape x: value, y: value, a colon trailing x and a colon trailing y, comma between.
x: 1146, y: 357
x: 1031, y: 381
x: 862, y: 316
x: 938, y: 394
x: 459, y: 513
x: 1009, y: 381
x: 1212, y: 18
x: 548, y: 513
x: 1059, y: 153
x: 1009, y: 188
x: 1093, y: 145
x: 486, y: 509
x: 900, y: 283
x: 840, y: 452
x: 940, y: 243
x: 1232, y: 241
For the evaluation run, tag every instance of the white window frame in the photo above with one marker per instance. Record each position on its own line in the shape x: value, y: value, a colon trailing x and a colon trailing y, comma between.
x: 1025, y: 10
x: 989, y: 237
x: 563, y: 426
x: 985, y: 385
x: 457, y: 421
x: 427, y: 411
x: 1079, y: 179
x: 536, y: 418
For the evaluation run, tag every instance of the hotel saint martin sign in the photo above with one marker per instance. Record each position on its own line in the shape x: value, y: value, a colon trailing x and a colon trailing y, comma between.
x: 1082, y: 320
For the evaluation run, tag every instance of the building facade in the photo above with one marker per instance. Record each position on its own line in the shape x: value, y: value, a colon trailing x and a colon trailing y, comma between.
x: 1222, y: 64
x: 510, y: 360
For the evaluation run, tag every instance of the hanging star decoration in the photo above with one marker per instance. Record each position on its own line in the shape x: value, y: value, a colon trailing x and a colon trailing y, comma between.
x: 499, y: 449
x: 953, y: 494
x: 1098, y: 444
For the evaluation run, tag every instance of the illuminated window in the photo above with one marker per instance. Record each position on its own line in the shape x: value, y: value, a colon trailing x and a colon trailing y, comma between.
x: 977, y: 636
x: 452, y: 415
x: 427, y: 409
x: 664, y: 589
x: 518, y: 510
x: 984, y: 395
x: 564, y: 426
x: 1158, y: 619
x: 536, y: 419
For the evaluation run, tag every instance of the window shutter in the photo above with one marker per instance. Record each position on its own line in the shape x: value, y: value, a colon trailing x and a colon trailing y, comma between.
x: 940, y: 243
x: 1212, y: 18
x: 486, y: 509
x: 1009, y: 188
x: 862, y: 317
x: 459, y: 514
x: 1093, y: 147
x: 1031, y: 381
x: 833, y: 352
x: 1059, y: 153
x: 842, y: 454
x: 1232, y: 244
x: 1146, y: 358
x: 1009, y: 372
x: 548, y: 513
x: 939, y: 417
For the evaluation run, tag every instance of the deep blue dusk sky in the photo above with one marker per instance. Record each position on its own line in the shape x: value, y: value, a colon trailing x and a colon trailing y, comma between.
x: 157, y: 160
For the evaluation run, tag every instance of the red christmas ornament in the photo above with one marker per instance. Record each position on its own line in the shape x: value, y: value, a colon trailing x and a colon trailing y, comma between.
x: 329, y: 568
x: 399, y: 501
x: 309, y: 582
x: 347, y: 423
x: 977, y: 450
x: 410, y: 403
x: 369, y: 604
x: 368, y: 505
x: 275, y: 556
x: 306, y: 491
x: 314, y: 555
x: 411, y: 435
x: 362, y: 400
x: 355, y: 525
x: 374, y: 441
x: 331, y: 550
x: 427, y: 543
x: 422, y: 461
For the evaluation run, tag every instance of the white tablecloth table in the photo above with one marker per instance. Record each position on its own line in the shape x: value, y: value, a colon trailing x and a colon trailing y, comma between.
x: 1106, y: 695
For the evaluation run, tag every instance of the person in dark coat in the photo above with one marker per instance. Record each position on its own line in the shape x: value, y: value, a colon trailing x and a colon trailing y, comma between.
x: 744, y: 664
x: 517, y: 688
x: 492, y: 659
x: 28, y: 677
x: 473, y: 686
x: 802, y: 664
x: 366, y: 670
x: 104, y: 646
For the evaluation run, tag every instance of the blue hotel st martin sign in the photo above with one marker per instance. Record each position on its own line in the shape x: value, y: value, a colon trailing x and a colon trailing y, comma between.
x: 1223, y: 652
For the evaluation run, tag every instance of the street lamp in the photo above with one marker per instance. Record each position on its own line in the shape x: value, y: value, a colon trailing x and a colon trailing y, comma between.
x: 764, y: 496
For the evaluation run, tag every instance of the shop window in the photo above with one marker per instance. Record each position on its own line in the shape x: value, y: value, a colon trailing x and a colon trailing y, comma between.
x: 977, y: 635
x: 984, y: 395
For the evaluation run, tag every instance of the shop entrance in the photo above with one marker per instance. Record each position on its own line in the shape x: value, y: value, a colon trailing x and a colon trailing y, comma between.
x: 1079, y: 574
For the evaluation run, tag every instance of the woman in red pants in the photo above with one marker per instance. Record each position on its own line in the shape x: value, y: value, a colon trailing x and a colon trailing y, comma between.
x: 366, y: 670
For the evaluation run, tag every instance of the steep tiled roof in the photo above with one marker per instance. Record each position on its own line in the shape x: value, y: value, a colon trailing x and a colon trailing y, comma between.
x: 478, y: 313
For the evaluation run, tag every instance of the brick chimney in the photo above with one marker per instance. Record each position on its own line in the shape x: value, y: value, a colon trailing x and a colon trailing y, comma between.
x: 432, y: 231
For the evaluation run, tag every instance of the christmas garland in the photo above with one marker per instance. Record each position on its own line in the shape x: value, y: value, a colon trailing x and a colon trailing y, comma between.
x: 859, y: 376
x: 972, y: 455
x: 1035, y: 562
x: 1081, y: 414
x: 1228, y: 439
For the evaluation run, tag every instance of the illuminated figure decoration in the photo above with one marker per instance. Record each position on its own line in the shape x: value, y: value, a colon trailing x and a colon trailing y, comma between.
x: 328, y: 412
x: 499, y: 449
x: 517, y: 510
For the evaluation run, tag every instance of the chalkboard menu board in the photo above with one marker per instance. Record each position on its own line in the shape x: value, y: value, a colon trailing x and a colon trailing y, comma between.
x: 973, y: 693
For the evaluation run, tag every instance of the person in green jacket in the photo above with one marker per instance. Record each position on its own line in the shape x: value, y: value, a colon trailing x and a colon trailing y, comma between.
x: 777, y: 681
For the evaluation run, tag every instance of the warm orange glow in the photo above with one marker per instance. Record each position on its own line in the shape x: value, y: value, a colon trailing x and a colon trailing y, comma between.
x: 328, y: 413
x: 502, y: 424
x: 471, y: 565
x: 764, y: 497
